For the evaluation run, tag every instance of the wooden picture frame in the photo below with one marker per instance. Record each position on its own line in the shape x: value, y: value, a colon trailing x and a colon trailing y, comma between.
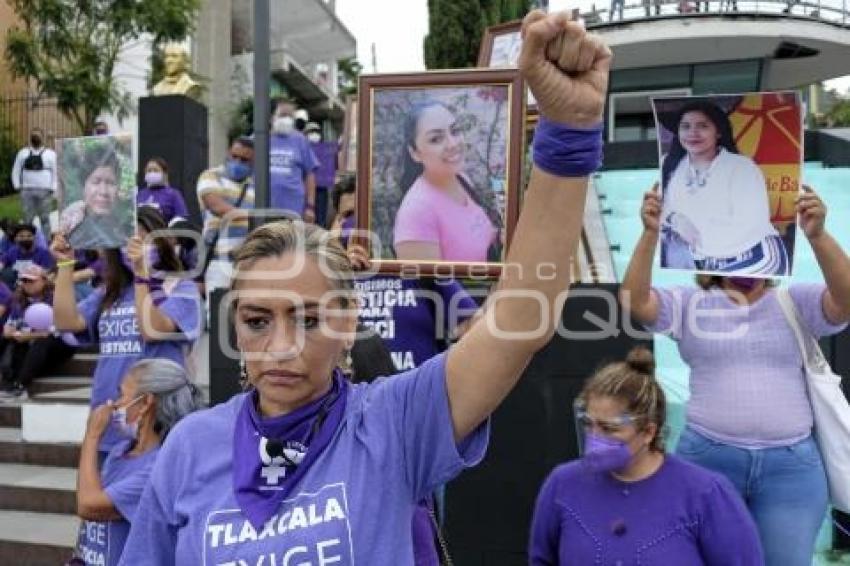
x: 500, y: 47
x: 476, y: 144
x: 347, y: 157
x: 508, y: 32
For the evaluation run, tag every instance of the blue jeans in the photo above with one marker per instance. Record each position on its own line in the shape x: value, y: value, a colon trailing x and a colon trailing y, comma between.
x: 784, y: 488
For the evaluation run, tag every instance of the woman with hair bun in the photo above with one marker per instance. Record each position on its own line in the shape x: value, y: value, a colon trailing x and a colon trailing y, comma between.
x: 626, y: 501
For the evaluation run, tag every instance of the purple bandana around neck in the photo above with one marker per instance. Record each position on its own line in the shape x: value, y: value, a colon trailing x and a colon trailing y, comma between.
x: 261, y: 482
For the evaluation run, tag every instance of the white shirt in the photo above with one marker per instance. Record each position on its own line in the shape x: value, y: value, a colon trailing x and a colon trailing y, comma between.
x: 26, y: 179
x: 731, y: 211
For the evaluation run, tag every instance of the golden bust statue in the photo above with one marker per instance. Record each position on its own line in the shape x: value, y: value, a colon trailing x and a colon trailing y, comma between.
x: 177, y: 79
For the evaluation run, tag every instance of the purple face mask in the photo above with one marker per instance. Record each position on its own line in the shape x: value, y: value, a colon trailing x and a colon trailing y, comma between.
x: 605, y: 454
x: 745, y: 284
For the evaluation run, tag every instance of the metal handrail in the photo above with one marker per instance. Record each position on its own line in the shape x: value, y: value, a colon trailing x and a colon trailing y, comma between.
x: 830, y: 11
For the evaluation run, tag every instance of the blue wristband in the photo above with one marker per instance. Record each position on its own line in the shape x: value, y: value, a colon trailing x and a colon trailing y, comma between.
x: 565, y: 151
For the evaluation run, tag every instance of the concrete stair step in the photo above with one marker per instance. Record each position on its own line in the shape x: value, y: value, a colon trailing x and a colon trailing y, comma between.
x: 13, y: 450
x: 58, y: 383
x: 10, y: 415
x: 39, y: 489
x: 37, y: 539
x: 81, y: 364
x: 10, y: 410
x: 72, y: 396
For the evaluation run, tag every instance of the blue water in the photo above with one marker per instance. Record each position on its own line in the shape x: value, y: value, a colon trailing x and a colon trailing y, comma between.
x: 623, y: 192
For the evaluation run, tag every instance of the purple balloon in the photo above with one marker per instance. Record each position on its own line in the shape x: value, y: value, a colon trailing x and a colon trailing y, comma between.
x: 39, y: 316
x: 70, y: 339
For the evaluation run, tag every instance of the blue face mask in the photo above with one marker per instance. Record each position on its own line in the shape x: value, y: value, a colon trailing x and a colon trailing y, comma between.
x: 237, y: 170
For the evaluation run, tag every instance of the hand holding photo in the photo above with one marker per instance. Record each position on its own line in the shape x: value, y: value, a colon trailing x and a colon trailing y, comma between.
x: 728, y: 165
x: 97, y: 192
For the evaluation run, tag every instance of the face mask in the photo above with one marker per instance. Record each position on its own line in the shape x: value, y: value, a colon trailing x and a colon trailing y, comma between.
x: 314, y: 137
x: 283, y: 125
x: 237, y: 170
x: 26, y: 244
x: 154, y: 178
x: 605, y: 454
x: 300, y: 124
x: 35, y: 141
x: 119, y: 419
x: 745, y: 284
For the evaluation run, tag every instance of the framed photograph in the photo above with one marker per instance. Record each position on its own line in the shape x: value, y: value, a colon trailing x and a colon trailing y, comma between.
x: 438, y: 171
x: 97, y: 191
x: 500, y: 48
x: 348, y: 142
x: 730, y: 169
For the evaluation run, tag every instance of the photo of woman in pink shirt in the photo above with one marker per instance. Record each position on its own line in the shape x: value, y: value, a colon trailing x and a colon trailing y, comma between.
x: 441, y: 218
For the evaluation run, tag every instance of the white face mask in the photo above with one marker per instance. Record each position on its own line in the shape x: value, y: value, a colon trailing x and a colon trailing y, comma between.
x: 283, y: 125
x: 314, y: 137
x: 154, y: 178
x: 119, y: 418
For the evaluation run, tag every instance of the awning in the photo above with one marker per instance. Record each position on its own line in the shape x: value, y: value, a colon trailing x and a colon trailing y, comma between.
x: 306, y: 29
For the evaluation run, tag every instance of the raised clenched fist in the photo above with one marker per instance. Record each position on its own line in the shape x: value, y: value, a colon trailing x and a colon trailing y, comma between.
x: 565, y: 67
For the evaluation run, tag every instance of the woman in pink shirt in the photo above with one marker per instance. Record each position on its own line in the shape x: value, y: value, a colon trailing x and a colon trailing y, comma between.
x: 439, y: 217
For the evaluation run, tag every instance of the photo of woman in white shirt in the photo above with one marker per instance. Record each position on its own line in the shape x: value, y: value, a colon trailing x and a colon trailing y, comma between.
x: 716, y: 213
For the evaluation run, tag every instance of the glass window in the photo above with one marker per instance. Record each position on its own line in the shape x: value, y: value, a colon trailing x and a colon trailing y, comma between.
x: 633, y: 127
x: 650, y: 78
x: 732, y: 77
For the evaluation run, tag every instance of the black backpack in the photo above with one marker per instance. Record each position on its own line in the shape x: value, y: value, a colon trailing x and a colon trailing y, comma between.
x: 33, y: 162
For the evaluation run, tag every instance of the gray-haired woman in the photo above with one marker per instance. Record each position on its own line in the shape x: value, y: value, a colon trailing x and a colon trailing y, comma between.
x: 154, y: 395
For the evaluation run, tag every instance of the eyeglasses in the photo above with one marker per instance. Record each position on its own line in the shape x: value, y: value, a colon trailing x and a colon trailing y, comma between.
x: 607, y: 426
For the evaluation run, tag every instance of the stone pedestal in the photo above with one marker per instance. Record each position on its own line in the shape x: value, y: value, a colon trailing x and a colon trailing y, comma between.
x: 175, y: 128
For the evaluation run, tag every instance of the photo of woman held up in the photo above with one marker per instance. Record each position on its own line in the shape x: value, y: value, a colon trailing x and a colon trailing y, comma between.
x: 721, y: 207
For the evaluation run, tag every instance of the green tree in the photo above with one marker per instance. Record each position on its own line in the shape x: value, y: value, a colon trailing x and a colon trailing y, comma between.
x: 454, y: 33
x: 348, y: 71
x: 498, y: 11
x: 457, y: 26
x: 69, y: 48
x: 839, y: 114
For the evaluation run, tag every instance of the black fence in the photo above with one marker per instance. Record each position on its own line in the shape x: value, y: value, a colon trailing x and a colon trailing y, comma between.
x: 20, y: 113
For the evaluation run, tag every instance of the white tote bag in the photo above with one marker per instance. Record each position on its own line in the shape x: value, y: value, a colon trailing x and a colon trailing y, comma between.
x: 830, y: 408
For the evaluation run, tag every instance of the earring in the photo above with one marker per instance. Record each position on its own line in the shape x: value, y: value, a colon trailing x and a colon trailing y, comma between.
x: 347, y: 365
x: 244, y: 382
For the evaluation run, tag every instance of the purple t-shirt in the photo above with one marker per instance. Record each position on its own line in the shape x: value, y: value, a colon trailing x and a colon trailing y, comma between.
x: 408, y: 314
x: 746, y: 380
x: 683, y: 515
x: 354, y: 506
x: 18, y: 259
x: 124, y: 479
x: 290, y: 160
x: 326, y: 153
x: 121, y: 344
x: 6, y: 301
x: 167, y: 200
